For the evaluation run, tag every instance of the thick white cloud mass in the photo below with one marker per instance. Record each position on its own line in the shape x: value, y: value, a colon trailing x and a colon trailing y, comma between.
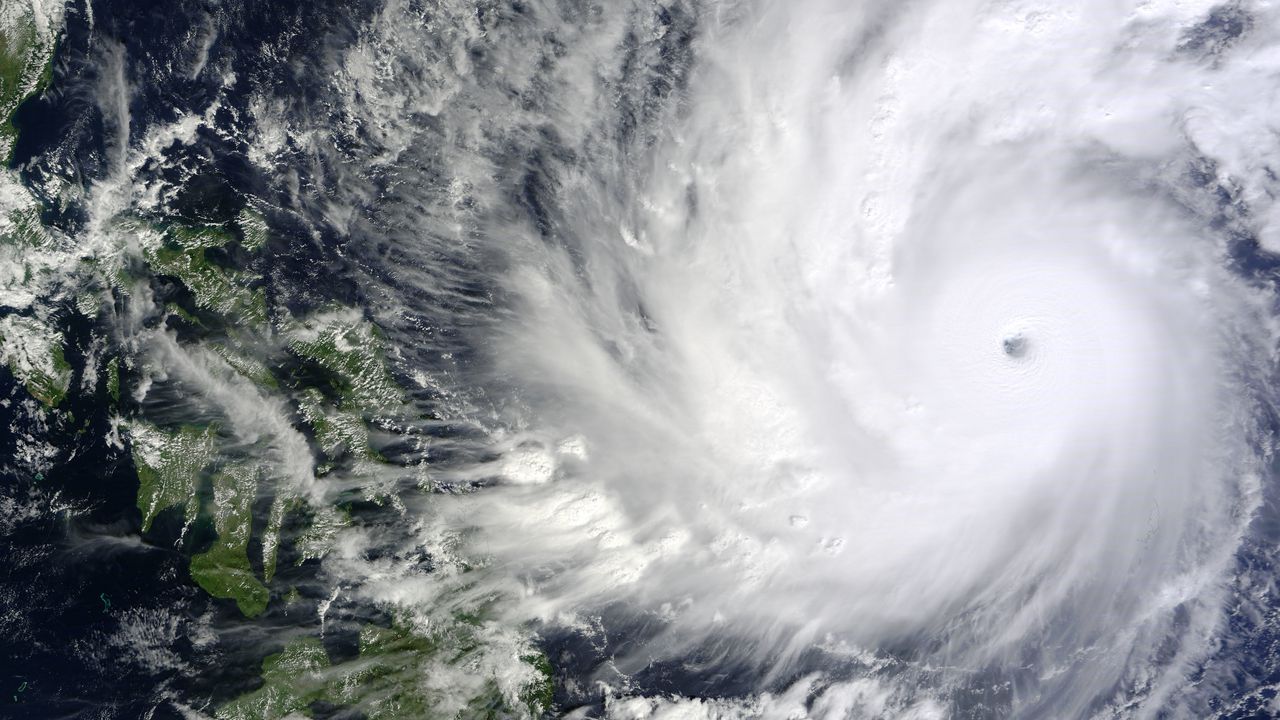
x: 919, y: 336
x: 773, y: 359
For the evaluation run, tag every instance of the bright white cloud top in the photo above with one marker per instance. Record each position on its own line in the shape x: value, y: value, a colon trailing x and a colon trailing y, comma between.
x: 918, y: 336
x: 649, y: 359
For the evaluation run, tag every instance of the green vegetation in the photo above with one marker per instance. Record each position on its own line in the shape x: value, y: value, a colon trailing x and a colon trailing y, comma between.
x: 337, y: 432
x: 88, y: 304
x: 245, y: 363
x: 323, y: 528
x: 349, y: 350
x: 183, y: 315
x: 398, y: 675
x: 345, y: 350
x: 16, y: 46
x: 386, y: 681
x: 224, y: 571
x: 199, y: 237
x: 537, y: 696
x: 169, y: 465
x: 455, y: 669
x: 33, y: 351
x: 339, y: 377
x: 26, y: 67
x: 254, y: 229
x: 113, y: 379
x: 51, y: 389
x: 280, y: 506
x: 291, y: 680
x: 216, y: 289
x: 25, y: 229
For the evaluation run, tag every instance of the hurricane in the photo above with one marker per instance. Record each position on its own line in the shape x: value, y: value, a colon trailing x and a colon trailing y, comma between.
x: 640, y: 359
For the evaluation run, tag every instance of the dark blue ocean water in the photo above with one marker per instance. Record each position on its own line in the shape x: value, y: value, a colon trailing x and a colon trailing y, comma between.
x: 79, y: 581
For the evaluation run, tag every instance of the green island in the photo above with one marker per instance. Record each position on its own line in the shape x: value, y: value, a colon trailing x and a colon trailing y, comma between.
x: 33, y: 352
x: 224, y: 571
x: 169, y: 463
x: 217, y: 289
x: 26, y: 68
x: 398, y: 675
x: 31, y: 347
x: 344, y: 386
x: 113, y: 379
x: 339, y: 384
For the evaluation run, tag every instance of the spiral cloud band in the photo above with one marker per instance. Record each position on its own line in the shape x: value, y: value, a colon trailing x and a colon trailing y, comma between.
x: 916, y: 335
x: 641, y: 359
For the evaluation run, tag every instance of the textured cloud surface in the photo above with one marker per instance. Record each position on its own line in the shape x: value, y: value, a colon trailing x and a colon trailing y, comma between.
x: 923, y: 336
x: 768, y: 359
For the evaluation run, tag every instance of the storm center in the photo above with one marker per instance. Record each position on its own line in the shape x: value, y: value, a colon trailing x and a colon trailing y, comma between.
x: 1015, y: 345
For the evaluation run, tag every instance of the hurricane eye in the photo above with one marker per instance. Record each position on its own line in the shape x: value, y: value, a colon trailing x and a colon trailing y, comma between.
x: 1015, y: 345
